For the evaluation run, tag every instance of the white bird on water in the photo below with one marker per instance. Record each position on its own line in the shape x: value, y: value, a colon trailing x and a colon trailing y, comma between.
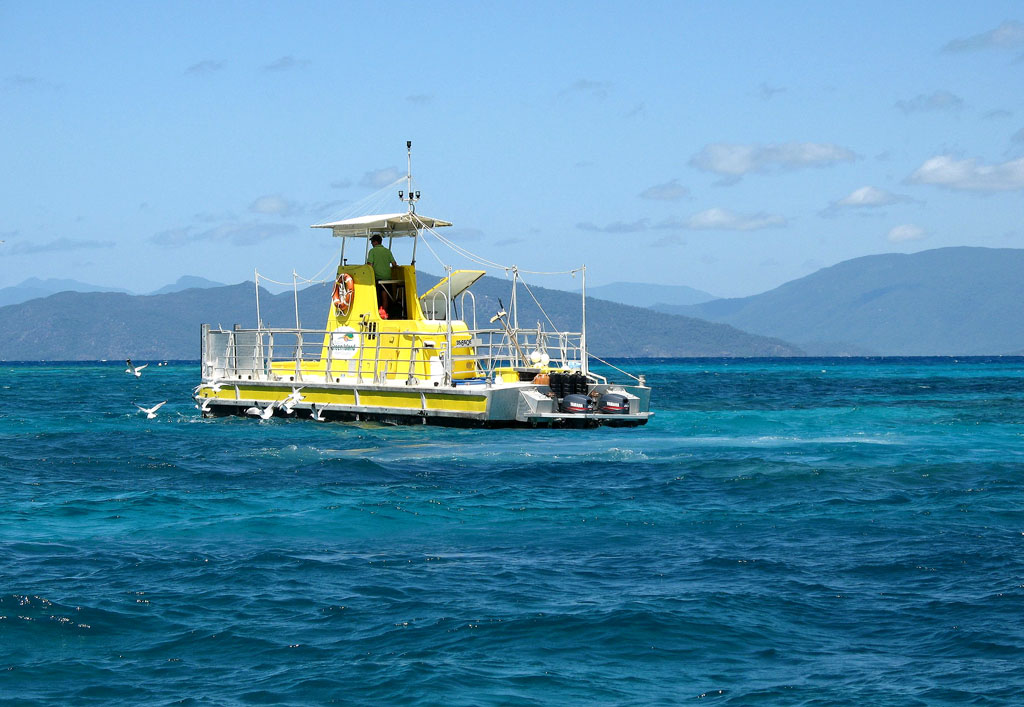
x: 150, y: 412
x: 134, y: 370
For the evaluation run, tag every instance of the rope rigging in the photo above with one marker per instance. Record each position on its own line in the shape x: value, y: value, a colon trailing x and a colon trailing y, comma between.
x: 375, y: 202
x: 480, y: 260
x: 370, y: 204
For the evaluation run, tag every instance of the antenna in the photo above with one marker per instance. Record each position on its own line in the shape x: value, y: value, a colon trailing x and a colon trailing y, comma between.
x: 409, y: 196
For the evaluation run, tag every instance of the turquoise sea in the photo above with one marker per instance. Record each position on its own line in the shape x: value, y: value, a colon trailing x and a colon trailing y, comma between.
x: 783, y: 532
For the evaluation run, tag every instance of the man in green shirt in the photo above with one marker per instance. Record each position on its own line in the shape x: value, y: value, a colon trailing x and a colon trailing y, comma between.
x: 380, y: 258
x: 382, y: 261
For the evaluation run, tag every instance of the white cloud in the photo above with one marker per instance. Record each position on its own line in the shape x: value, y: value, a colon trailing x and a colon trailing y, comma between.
x: 19, y: 82
x: 669, y: 191
x: 906, y: 232
x: 380, y: 178
x: 207, y: 66
x: 669, y: 239
x: 1008, y: 35
x: 465, y: 234
x: 869, y: 197
x: 57, y: 245
x: 935, y: 101
x: 615, y: 227
x: 638, y: 109
x: 597, y: 89
x: 715, y: 219
x: 769, y: 92
x: 211, y: 217
x: 510, y: 241
x: 970, y: 175
x: 725, y: 220
x: 235, y: 233
x: 737, y: 160
x: 272, y: 204
x: 326, y: 208
x: 246, y: 233
x: 286, y: 63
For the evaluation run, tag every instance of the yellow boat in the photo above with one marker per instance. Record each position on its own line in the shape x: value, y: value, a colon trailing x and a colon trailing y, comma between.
x: 392, y: 355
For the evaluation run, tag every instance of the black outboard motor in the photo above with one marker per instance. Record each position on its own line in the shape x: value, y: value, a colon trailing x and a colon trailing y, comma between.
x: 613, y: 404
x: 574, y: 402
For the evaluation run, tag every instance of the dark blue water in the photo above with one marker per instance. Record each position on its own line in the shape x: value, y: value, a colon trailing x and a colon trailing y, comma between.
x: 782, y: 532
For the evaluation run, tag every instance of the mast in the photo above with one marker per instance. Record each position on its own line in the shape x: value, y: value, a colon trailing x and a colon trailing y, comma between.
x: 259, y: 319
x: 407, y: 195
x: 515, y: 303
x: 408, y: 174
x: 584, y: 356
x: 410, y: 197
x: 295, y: 290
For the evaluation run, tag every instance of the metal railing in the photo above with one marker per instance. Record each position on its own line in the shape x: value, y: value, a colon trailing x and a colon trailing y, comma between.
x: 371, y: 355
x: 527, y: 348
x: 510, y: 346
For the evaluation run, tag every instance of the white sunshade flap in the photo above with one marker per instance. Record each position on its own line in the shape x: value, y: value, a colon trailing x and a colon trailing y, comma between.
x: 432, y: 302
x: 403, y: 224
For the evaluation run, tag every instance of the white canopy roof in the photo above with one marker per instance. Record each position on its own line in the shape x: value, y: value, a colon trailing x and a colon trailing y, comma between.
x: 404, y: 224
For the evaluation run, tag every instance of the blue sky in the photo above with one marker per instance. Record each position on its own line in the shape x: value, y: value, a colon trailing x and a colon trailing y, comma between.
x: 730, y: 147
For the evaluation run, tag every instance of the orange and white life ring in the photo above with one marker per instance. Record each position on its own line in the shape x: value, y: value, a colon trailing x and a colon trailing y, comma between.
x: 344, y: 292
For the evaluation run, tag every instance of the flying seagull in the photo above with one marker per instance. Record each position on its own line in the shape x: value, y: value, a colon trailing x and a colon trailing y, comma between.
x: 316, y: 413
x: 288, y: 403
x: 150, y: 412
x: 204, y: 406
x: 214, y: 387
x: 134, y: 370
x: 263, y: 413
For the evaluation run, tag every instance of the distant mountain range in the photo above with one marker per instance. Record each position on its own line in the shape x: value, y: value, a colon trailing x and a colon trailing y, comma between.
x: 98, y: 325
x: 948, y: 301
x: 187, y: 282
x: 616, y: 329
x: 33, y: 288
x: 640, y: 294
